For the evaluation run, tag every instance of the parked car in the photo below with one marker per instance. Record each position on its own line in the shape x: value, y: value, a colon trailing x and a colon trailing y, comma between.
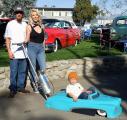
x: 114, y: 34
x: 46, y: 21
x: 3, y: 23
x: 96, y: 102
x: 118, y: 28
x: 60, y: 34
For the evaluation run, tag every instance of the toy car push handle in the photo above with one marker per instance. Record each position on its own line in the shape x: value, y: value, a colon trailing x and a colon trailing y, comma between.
x: 45, y: 83
x: 42, y: 79
x: 26, y: 55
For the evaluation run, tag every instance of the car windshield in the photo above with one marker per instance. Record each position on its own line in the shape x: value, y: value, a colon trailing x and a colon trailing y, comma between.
x: 53, y: 24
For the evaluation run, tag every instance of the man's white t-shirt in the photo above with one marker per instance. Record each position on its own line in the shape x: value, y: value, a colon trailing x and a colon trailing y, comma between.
x: 76, y: 89
x: 17, y: 33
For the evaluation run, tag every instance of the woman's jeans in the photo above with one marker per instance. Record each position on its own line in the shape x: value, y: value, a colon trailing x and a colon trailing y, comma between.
x: 17, y: 74
x: 36, y: 54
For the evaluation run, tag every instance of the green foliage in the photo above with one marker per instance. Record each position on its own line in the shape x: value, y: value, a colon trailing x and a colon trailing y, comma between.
x: 87, y: 48
x: 8, y: 6
x: 84, y: 11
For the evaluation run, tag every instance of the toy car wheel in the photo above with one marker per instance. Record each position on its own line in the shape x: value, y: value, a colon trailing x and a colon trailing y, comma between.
x: 101, y: 113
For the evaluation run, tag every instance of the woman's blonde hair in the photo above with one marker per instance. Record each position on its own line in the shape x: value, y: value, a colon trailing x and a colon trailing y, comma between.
x: 30, y: 17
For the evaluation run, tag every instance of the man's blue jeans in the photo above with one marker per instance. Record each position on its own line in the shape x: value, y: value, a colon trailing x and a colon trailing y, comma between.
x: 36, y: 54
x: 17, y: 74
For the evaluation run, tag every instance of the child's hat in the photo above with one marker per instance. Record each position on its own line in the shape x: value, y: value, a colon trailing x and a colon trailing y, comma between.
x: 72, y: 75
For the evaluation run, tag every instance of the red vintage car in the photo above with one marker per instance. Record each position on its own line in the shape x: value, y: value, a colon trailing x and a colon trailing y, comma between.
x: 60, y: 34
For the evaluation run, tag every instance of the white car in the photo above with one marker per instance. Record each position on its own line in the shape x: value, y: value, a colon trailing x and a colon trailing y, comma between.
x: 73, y: 24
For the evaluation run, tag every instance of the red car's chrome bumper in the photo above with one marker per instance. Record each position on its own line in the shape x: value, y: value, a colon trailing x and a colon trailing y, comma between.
x: 49, y: 47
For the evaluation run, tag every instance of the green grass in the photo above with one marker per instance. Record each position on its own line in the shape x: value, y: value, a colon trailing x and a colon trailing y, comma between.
x: 84, y: 49
x: 4, y: 60
x: 89, y: 48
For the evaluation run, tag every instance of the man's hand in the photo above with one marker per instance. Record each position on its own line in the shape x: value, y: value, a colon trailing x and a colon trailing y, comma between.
x: 10, y: 54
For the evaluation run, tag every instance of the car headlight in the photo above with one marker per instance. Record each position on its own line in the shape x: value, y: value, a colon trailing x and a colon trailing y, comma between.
x: 45, y: 36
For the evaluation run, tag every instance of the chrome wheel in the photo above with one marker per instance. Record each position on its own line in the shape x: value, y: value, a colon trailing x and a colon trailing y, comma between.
x: 55, y: 46
x: 101, y: 113
x: 76, y: 42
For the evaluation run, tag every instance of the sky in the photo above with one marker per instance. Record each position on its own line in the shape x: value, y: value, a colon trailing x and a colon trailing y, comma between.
x: 57, y: 3
x: 70, y: 4
x: 64, y: 3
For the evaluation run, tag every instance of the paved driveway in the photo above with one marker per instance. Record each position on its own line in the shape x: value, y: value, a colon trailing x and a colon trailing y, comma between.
x: 30, y: 106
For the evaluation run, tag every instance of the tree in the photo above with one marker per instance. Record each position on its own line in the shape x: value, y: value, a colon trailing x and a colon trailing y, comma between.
x: 8, y: 6
x: 115, y: 6
x: 84, y: 11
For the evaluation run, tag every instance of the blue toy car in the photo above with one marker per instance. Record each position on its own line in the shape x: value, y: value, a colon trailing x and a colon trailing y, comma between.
x: 103, y: 104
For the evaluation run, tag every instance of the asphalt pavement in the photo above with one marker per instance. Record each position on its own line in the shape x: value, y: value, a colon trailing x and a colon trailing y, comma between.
x: 30, y: 106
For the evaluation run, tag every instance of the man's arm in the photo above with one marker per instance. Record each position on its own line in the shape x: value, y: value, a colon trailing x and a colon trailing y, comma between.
x: 8, y: 42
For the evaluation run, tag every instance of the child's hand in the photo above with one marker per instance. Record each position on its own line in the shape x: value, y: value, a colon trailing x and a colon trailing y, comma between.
x: 88, y: 91
x: 84, y: 90
x: 75, y: 99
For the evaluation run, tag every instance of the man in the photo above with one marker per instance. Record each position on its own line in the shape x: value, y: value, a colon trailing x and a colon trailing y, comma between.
x: 16, y: 33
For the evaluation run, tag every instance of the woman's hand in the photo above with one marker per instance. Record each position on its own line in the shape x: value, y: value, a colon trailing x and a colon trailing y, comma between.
x: 25, y: 41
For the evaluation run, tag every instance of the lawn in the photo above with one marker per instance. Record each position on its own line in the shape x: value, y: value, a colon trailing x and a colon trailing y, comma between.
x: 4, y: 61
x: 86, y: 48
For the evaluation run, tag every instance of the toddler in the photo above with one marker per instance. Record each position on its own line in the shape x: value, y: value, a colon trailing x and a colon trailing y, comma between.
x: 75, y: 89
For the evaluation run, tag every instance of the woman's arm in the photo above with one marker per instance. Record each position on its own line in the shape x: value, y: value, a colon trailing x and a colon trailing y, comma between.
x: 28, y: 31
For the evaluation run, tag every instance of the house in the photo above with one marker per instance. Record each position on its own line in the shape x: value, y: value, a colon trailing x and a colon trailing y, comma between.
x: 59, y: 13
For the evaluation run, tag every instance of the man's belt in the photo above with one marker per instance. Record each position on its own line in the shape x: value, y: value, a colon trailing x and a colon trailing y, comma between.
x: 19, y: 44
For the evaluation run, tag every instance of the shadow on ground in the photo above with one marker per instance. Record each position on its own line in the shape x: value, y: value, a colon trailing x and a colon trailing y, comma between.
x: 110, y: 77
x: 46, y: 118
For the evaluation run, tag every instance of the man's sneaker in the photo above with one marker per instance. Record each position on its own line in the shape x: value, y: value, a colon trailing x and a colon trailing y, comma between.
x: 12, y: 94
x: 24, y: 91
x: 48, y: 95
x: 35, y: 90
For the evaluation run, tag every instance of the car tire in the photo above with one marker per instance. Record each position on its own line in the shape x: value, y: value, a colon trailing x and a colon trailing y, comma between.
x: 101, y: 113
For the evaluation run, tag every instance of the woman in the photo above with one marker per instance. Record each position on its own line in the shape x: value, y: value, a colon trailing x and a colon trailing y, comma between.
x: 35, y: 39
